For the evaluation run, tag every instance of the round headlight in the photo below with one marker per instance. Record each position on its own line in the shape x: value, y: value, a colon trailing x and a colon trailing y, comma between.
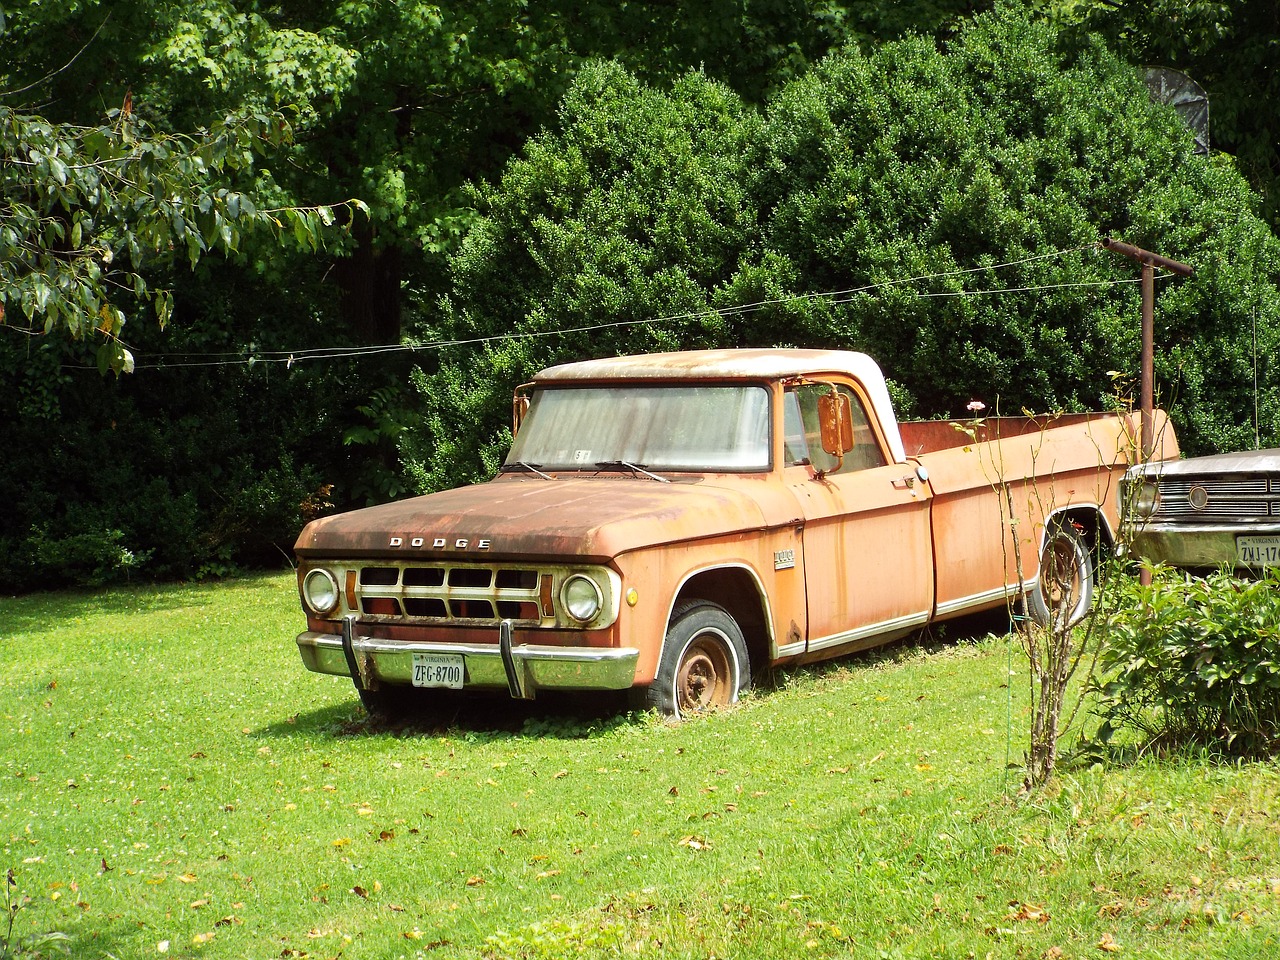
x: 320, y: 591
x: 1146, y: 501
x: 1198, y: 497
x: 582, y: 598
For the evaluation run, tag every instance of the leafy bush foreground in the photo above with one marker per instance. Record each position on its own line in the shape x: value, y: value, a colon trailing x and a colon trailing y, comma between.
x: 1195, y: 662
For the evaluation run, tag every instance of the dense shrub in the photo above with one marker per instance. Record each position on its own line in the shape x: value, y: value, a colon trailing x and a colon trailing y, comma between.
x: 1006, y: 145
x: 637, y: 209
x: 196, y: 467
x: 1195, y: 662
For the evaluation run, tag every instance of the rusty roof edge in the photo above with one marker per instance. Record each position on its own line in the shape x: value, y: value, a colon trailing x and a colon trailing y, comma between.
x: 743, y: 364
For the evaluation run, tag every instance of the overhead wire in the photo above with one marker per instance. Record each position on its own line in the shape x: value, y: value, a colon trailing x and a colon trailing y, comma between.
x: 253, y: 356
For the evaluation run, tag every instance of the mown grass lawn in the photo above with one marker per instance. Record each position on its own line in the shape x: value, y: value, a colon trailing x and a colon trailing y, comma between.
x: 173, y: 783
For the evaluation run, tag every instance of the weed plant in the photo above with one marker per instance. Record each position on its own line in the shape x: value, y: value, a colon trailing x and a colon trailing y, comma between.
x: 174, y: 784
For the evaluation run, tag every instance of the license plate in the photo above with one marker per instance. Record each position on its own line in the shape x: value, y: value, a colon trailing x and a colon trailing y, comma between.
x: 437, y: 670
x: 1258, y: 551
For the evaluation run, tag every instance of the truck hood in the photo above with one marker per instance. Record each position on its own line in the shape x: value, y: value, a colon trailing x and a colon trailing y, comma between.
x: 595, y: 518
x: 1246, y: 461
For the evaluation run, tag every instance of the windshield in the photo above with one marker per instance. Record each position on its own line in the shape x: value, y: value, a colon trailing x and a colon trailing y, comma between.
x: 664, y: 427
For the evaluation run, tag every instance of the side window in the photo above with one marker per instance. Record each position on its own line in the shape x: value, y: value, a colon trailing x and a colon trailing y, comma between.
x: 803, y: 438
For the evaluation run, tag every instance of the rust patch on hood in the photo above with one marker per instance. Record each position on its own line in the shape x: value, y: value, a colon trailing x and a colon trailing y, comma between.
x: 592, y: 519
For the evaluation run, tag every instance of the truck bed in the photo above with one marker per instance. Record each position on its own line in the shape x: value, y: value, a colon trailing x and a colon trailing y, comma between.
x: 929, y: 436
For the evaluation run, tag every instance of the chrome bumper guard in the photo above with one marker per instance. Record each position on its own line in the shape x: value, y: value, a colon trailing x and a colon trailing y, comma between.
x: 1206, y: 546
x: 522, y: 669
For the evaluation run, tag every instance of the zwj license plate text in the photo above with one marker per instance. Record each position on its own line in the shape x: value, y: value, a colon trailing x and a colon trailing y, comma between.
x: 437, y: 670
x: 1258, y: 551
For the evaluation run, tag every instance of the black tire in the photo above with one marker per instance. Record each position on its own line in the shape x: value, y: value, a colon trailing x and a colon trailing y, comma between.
x: 704, y: 663
x: 387, y: 704
x: 1063, y: 591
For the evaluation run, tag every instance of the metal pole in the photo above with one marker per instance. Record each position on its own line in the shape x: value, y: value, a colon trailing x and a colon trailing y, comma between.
x: 1149, y: 262
x: 1148, y: 358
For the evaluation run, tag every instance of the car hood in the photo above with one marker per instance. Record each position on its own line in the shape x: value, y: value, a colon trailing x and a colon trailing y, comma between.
x: 596, y: 518
x: 1248, y: 461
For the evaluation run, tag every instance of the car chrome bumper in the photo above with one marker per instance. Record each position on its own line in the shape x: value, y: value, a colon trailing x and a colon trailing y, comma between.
x: 1195, y: 547
x: 521, y: 668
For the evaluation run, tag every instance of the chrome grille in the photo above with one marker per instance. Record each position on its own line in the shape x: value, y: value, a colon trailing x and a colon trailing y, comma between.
x: 1226, y: 499
x: 442, y: 593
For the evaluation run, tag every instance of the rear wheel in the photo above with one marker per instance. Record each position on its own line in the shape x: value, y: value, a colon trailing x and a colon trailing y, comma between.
x: 1063, y: 590
x: 704, y: 663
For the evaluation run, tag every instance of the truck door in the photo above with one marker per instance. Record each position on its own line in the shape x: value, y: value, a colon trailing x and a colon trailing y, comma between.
x: 868, y: 554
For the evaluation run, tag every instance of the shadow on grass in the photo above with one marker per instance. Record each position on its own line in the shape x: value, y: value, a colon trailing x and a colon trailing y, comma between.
x: 492, y: 717
x: 951, y: 635
x: 584, y: 715
x: 37, y: 613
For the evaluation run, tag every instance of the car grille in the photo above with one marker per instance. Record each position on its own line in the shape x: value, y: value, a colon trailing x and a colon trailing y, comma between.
x: 442, y: 593
x: 1224, y: 499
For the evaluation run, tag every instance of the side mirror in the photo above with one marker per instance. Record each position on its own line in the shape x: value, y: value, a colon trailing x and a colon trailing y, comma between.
x: 835, y: 421
x: 519, y: 407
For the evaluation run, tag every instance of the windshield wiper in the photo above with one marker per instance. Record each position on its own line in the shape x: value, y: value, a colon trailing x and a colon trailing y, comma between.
x: 530, y: 467
x: 628, y: 465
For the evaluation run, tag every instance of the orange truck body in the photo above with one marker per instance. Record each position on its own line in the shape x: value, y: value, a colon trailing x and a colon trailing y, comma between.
x: 486, y: 586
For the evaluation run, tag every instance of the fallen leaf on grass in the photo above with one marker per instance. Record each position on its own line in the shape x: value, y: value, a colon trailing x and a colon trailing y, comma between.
x: 1028, y: 911
x: 475, y: 881
x: 695, y: 843
x: 197, y: 904
x: 200, y: 939
x: 360, y: 892
x: 1108, y: 945
x: 188, y: 878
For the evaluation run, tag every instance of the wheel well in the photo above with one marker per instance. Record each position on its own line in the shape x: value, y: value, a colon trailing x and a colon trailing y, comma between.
x: 1092, y: 524
x: 737, y: 591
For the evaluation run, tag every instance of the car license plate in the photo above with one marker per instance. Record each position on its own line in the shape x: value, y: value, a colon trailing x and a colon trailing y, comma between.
x: 437, y: 670
x: 1258, y: 551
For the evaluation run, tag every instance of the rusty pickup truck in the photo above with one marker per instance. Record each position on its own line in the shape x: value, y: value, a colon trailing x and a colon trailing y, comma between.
x: 670, y: 523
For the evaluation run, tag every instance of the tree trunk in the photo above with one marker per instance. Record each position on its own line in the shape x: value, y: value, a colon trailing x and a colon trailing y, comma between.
x: 369, y: 281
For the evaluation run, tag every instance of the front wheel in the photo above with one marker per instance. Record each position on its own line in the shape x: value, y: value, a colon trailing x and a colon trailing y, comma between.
x: 1063, y: 590
x: 704, y: 662
x: 388, y: 704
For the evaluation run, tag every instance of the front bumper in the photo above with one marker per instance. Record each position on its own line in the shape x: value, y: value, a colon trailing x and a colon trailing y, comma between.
x: 522, y: 668
x: 1199, y: 546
